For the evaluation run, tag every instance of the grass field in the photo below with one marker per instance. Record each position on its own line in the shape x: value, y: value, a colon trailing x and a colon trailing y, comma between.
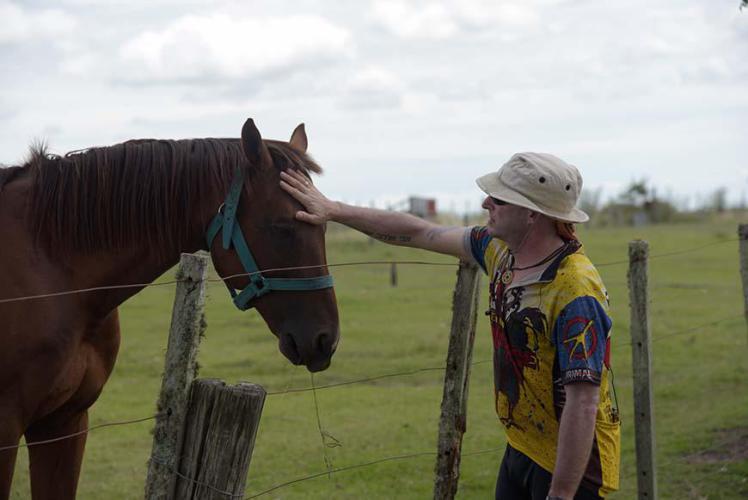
x: 700, y: 377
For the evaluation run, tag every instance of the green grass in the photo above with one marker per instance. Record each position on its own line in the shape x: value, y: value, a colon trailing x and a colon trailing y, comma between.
x: 699, y: 376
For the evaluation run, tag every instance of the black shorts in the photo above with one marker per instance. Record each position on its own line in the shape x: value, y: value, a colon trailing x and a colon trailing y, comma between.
x: 522, y: 479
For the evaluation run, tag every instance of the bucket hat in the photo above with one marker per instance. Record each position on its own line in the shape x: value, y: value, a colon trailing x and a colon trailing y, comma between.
x: 539, y: 181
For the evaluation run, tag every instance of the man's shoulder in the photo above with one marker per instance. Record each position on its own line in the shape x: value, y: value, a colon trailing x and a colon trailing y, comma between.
x: 492, y: 248
x: 577, y: 276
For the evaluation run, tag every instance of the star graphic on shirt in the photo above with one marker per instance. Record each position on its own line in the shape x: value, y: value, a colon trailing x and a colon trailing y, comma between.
x: 579, y: 340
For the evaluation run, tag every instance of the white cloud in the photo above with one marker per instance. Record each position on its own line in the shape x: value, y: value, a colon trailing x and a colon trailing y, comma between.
x: 373, y: 87
x: 221, y: 47
x: 496, y: 13
x: 448, y: 18
x: 19, y: 25
x: 414, y: 21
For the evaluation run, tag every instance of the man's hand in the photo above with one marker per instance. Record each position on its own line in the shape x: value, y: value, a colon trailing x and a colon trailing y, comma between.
x: 319, y: 209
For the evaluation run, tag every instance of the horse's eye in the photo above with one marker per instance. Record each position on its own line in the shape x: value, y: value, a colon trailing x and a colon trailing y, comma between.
x: 283, y: 230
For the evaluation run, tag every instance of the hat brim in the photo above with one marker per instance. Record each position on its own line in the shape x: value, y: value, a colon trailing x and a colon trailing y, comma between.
x: 491, y: 185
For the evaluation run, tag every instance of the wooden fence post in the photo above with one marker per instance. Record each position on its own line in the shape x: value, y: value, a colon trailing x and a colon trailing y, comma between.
x: 743, y: 234
x: 187, y: 325
x: 642, y: 368
x: 220, y: 430
x: 393, y: 274
x: 452, y: 424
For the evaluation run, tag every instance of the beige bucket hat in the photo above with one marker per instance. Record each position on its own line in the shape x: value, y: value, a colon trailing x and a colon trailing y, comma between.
x: 540, y: 182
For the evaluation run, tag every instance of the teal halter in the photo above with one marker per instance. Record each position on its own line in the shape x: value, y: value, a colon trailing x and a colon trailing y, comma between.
x: 232, y: 233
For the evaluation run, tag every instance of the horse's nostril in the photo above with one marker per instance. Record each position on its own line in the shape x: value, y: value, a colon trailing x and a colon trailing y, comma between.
x: 289, y: 349
x: 321, y: 342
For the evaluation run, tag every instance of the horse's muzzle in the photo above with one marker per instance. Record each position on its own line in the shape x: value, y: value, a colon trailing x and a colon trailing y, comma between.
x: 315, y: 352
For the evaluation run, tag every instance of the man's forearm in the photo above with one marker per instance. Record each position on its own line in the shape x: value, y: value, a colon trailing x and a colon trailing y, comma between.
x: 396, y: 228
x: 575, y: 434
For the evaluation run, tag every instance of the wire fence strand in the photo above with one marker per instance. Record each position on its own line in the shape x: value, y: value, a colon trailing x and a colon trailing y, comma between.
x: 359, y: 466
x: 79, y: 433
x: 316, y: 266
x: 670, y: 254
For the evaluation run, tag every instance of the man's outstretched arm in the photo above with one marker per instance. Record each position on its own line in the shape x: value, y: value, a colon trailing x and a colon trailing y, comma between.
x: 396, y: 228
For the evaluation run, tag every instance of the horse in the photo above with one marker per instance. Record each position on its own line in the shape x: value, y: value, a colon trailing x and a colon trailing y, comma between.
x: 121, y: 215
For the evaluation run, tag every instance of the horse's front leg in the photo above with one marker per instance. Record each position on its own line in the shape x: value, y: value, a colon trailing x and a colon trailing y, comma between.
x: 55, y: 466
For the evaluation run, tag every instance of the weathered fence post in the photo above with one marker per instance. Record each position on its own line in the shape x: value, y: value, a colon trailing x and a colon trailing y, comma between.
x: 452, y: 424
x: 743, y: 234
x: 187, y: 323
x: 220, y: 430
x: 642, y: 367
x: 393, y: 274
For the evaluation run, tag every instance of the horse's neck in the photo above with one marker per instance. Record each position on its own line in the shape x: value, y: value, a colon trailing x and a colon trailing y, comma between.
x: 120, y: 269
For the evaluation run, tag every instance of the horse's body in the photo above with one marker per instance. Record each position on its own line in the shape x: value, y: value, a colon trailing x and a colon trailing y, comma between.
x: 123, y: 215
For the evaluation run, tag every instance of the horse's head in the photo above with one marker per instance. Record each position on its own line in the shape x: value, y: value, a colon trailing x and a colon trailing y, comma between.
x: 297, y: 304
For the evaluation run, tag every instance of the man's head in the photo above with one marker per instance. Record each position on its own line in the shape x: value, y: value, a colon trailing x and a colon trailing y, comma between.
x: 531, y: 189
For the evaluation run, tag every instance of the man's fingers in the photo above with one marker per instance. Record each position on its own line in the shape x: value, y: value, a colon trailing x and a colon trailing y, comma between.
x: 296, y: 193
x: 307, y: 217
x: 296, y: 179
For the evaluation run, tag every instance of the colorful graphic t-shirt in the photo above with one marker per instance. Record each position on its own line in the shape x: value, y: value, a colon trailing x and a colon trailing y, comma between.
x: 550, y: 330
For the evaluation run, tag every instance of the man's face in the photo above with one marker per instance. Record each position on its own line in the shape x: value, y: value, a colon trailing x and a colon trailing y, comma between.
x: 505, y: 221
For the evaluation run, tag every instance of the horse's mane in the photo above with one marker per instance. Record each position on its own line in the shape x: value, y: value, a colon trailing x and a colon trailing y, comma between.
x: 7, y: 174
x: 141, y: 191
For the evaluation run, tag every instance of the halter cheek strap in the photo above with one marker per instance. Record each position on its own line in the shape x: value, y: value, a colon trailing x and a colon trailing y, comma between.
x: 259, y: 285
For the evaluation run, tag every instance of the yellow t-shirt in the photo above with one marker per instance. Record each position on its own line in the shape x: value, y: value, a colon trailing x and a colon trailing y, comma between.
x: 550, y: 330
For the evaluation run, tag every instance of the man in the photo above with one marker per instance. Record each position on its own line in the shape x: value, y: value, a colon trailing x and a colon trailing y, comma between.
x: 549, y: 320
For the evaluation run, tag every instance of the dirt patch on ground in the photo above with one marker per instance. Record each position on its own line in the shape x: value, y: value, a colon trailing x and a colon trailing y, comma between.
x: 730, y: 445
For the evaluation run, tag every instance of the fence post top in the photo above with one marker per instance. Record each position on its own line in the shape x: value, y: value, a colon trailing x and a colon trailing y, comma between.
x: 638, y: 250
x: 464, y: 264
x: 743, y: 231
x: 192, y: 267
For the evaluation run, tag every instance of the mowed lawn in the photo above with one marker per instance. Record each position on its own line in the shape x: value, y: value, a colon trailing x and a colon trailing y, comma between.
x: 700, y: 377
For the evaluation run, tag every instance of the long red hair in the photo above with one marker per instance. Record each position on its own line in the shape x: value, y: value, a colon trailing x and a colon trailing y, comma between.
x: 566, y: 230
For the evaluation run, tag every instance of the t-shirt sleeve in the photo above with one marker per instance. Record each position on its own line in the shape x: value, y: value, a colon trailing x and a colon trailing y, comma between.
x: 581, y: 336
x: 477, y: 240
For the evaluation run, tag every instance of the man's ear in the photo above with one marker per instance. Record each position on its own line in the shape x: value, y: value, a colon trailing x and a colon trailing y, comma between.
x: 298, y: 138
x: 254, y: 149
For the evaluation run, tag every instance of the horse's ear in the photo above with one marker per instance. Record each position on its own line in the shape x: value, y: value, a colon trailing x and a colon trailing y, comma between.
x: 298, y: 138
x: 254, y: 149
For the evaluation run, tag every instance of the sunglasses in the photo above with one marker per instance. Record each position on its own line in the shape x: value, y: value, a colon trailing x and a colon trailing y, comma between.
x: 497, y: 201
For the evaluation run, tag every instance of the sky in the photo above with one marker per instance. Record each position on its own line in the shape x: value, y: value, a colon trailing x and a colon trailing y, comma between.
x: 399, y: 97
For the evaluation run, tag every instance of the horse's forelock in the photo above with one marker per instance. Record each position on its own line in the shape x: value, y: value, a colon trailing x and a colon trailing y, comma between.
x: 284, y: 156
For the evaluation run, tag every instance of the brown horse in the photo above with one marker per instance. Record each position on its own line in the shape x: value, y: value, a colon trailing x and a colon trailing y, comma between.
x: 121, y: 215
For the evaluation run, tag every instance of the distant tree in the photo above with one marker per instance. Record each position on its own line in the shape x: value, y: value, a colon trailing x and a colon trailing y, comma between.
x: 718, y: 201
x: 589, y: 200
x: 638, y: 204
x: 637, y: 193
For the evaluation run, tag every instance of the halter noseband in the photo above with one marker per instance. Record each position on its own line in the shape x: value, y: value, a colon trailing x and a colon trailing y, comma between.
x: 232, y: 233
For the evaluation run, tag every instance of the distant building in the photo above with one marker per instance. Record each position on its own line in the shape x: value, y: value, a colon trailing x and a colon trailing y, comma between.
x: 422, y: 207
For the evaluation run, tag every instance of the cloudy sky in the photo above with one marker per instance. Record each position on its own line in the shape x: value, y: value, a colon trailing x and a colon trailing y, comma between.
x: 399, y: 97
